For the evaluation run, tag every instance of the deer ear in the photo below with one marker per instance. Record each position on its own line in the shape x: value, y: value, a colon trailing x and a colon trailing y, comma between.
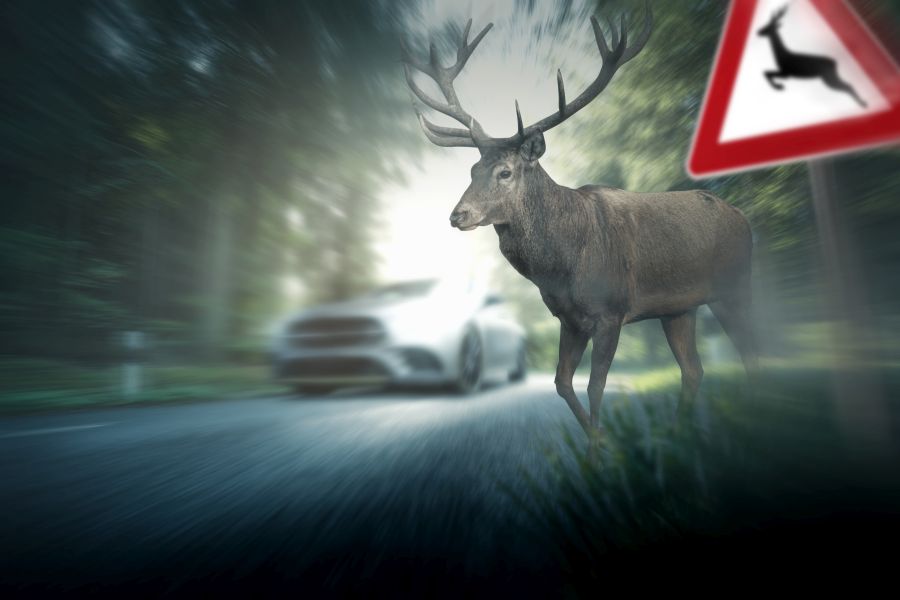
x: 533, y: 147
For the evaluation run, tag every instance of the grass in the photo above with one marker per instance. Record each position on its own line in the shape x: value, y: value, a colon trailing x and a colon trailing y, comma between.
x: 36, y: 385
x: 761, y: 482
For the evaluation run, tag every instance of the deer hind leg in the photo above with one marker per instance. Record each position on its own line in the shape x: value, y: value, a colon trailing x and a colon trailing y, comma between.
x: 734, y: 316
x: 606, y: 338
x: 681, y: 334
x: 834, y: 81
x: 571, y: 348
x: 771, y: 76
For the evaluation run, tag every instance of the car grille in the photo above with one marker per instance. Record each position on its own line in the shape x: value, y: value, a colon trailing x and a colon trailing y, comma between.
x: 336, y: 332
x: 332, y: 367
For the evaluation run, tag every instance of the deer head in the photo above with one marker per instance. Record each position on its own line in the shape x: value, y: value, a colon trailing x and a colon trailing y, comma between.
x: 774, y: 23
x: 501, y: 178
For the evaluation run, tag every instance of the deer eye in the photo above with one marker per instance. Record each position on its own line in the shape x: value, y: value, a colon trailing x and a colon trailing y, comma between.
x: 505, y: 174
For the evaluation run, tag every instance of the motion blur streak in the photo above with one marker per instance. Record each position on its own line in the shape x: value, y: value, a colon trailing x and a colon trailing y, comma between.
x: 177, y: 179
x: 229, y: 487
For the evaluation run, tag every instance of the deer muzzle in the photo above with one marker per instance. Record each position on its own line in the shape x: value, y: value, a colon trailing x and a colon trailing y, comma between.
x: 464, y: 219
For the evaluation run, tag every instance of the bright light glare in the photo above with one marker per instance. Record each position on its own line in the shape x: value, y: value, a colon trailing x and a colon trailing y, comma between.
x: 293, y: 287
x: 295, y: 218
x: 418, y: 241
x: 511, y: 63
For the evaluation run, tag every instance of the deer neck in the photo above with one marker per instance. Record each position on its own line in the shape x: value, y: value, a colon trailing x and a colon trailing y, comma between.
x: 534, y: 241
x: 778, y: 46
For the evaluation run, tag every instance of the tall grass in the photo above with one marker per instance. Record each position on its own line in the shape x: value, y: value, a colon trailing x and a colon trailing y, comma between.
x: 758, y: 477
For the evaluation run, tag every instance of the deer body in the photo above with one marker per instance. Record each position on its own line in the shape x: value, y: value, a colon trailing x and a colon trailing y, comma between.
x: 597, y: 251
x: 801, y: 66
x: 601, y: 257
x: 604, y: 257
x: 794, y: 64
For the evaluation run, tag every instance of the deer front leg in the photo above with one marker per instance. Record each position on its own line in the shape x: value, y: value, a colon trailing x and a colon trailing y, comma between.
x: 771, y: 76
x: 571, y: 348
x: 681, y: 334
x: 606, y: 339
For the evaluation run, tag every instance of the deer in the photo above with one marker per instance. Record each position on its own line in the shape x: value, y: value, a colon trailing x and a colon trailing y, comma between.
x: 801, y: 66
x: 601, y: 257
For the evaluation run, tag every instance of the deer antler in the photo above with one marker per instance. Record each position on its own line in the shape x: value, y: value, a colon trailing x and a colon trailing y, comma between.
x: 778, y: 14
x: 614, y: 54
x: 443, y: 77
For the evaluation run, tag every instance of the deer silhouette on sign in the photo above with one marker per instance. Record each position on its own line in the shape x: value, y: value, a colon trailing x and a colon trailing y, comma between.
x: 802, y: 66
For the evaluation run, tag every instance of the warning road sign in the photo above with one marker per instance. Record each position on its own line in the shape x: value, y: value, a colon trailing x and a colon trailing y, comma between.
x: 793, y: 80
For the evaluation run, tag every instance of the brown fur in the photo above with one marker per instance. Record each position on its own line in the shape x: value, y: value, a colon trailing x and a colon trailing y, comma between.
x: 603, y: 257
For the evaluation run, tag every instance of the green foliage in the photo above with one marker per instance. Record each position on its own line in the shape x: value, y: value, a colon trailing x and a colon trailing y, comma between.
x: 35, y: 385
x: 152, y: 151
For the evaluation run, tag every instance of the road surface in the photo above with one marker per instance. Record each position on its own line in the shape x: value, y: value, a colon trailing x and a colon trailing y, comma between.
x: 402, y: 492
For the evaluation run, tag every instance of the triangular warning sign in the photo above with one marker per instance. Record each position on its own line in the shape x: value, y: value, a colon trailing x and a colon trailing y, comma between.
x: 793, y: 80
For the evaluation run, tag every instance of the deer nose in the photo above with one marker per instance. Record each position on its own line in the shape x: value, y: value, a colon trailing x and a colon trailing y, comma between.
x: 458, y: 216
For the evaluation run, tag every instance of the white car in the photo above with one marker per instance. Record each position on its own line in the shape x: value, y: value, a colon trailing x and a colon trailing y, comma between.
x: 426, y: 332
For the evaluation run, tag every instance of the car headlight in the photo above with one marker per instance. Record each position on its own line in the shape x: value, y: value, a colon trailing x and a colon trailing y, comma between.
x: 423, y: 325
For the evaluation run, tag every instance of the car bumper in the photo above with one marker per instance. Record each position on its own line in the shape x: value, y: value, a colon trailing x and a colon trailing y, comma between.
x: 362, y: 366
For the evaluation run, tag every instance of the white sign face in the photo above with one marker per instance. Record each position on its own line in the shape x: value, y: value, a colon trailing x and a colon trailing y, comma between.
x: 824, y: 95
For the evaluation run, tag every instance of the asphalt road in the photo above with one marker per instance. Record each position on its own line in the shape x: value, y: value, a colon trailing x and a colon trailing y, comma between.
x: 404, y: 492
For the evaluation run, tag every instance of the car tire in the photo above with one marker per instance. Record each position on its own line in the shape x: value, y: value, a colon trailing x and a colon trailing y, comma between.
x: 521, y: 369
x: 471, y: 363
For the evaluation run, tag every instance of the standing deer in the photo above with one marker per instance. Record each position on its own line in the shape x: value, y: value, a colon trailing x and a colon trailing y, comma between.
x: 601, y: 257
x: 802, y: 66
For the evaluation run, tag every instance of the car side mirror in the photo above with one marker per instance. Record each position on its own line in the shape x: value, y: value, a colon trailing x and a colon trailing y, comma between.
x: 494, y: 300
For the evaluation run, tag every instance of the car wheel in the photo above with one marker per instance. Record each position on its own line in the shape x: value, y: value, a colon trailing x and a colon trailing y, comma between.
x: 521, y: 369
x: 471, y: 359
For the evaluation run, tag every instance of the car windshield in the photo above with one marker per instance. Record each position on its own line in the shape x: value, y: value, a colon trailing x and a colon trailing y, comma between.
x: 398, y: 291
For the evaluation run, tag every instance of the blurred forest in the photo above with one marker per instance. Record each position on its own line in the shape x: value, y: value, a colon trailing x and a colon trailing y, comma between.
x: 154, y: 154
x: 165, y: 164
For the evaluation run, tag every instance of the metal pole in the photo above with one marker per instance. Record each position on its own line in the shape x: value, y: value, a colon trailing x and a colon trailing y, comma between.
x: 133, y: 341
x: 858, y: 395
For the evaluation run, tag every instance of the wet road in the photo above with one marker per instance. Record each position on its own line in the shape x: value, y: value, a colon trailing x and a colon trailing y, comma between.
x: 403, y: 492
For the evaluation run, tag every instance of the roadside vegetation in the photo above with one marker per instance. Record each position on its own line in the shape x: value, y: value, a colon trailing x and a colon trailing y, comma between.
x: 34, y: 385
x: 764, y: 484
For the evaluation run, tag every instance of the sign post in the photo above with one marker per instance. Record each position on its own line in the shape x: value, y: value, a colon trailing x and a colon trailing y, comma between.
x: 859, y: 397
x: 133, y: 342
x: 801, y: 81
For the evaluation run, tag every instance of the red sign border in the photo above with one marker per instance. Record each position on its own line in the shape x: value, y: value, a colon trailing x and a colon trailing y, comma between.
x: 709, y: 157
